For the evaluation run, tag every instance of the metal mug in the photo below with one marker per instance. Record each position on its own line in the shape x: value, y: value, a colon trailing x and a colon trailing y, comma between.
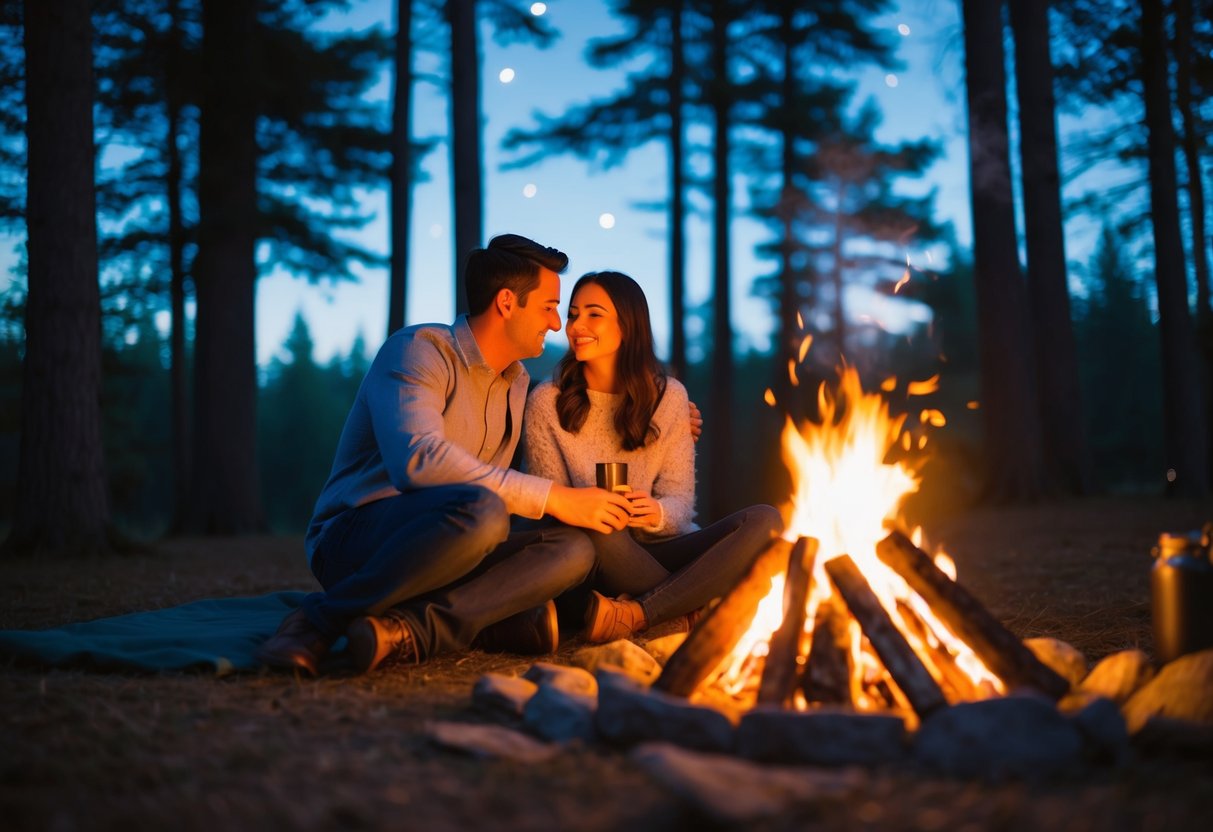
x: 1181, y: 593
x: 613, y: 476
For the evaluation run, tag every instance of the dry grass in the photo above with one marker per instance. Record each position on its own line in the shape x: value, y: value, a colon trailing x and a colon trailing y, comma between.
x: 92, y: 751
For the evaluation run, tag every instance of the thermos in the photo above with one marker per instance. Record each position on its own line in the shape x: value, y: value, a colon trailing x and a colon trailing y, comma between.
x: 1181, y: 593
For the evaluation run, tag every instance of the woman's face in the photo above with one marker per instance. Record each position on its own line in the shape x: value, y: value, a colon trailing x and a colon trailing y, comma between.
x: 593, y: 324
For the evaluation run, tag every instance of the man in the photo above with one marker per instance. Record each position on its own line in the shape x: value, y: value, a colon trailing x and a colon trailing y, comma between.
x: 411, y: 535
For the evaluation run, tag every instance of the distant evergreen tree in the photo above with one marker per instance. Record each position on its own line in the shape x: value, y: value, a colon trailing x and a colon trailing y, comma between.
x: 302, y: 409
x: 135, y: 398
x: 1119, y: 351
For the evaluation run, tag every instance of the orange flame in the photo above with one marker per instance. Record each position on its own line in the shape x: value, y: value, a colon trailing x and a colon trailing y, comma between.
x: 846, y: 495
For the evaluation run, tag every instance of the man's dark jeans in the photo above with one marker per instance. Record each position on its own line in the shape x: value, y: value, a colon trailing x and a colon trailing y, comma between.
x: 445, y: 559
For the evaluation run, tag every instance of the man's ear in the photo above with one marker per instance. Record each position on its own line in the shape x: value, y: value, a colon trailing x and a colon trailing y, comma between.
x: 505, y: 301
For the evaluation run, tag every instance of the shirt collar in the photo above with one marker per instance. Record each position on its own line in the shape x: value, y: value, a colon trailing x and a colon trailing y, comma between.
x: 472, y: 357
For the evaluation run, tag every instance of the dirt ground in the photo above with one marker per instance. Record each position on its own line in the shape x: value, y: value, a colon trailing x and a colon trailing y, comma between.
x: 83, y: 750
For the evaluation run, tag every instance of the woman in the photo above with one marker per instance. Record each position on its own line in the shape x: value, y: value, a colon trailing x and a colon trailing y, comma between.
x: 610, y: 401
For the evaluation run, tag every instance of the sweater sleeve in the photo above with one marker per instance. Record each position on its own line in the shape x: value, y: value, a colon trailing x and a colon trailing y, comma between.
x: 541, y: 450
x: 674, y: 483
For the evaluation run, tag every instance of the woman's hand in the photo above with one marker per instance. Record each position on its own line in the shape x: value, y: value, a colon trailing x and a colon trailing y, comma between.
x: 645, y: 511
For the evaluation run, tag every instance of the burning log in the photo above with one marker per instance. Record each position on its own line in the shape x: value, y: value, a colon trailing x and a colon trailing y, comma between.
x: 827, y: 673
x: 955, y: 682
x: 968, y: 620
x: 718, y: 633
x: 779, y: 672
x: 898, y: 657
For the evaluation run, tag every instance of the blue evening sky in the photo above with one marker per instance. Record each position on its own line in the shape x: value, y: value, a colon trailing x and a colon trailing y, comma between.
x: 570, y: 196
x: 562, y: 200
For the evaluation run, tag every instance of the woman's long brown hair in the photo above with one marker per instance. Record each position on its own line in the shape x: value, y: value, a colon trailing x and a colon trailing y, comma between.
x: 637, y: 368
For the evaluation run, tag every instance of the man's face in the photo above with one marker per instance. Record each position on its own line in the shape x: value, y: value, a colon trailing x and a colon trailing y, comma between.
x: 529, y: 325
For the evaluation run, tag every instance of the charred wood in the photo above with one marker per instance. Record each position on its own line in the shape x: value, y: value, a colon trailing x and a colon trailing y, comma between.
x: 827, y: 674
x: 890, y: 645
x: 780, y: 672
x: 724, y: 625
x: 1003, y: 653
x: 956, y: 684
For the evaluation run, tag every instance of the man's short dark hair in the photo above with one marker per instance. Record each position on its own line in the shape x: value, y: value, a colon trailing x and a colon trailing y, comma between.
x: 509, y: 261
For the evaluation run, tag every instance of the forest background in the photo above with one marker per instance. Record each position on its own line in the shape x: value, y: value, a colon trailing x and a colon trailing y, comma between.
x: 229, y: 144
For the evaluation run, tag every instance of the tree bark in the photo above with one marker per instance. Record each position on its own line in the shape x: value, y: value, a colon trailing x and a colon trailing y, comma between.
x: 1184, y: 59
x: 1063, y: 435
x: 178, y: 373
x: 720, y: 398
x: 1185, y: 442
x: 61, y: 507
x: 678, y: 338
x: 465, y: 138
x: 1008, y: 390
x: 788, y: 301
x: 400, y: 194
x: 226, y: 489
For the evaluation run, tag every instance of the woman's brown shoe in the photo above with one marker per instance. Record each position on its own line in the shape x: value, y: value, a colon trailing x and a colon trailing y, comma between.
x: 607, y: 619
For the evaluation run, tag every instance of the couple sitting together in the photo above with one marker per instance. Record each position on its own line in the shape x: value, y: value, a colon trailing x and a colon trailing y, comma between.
x: 412, y: 538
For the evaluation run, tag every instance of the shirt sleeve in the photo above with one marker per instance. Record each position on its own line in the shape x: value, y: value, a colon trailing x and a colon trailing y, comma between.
x: 406, y: 393
x: 674, y: 483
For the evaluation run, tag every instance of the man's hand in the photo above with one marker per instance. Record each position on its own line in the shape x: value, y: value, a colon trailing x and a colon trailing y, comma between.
x: 696, y: 421
x: 646, y: 511
x: 589, y: 508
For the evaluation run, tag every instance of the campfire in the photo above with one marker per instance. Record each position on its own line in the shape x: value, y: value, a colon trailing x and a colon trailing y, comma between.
x: 845, y: 644
x: 847, y: 609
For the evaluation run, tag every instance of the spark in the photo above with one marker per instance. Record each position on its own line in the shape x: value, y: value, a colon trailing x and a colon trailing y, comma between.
x: 529, y: 190
x: 903, y: 29
x: 891, y: 81
x: 606, y: 220
x: 506, y: 75
x: 923, y: 388
x: 805, y: 343
x: 769, y: 397
x: 538, y: 9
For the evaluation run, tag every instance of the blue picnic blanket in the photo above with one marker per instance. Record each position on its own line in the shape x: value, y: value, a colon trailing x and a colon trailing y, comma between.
x: 217, y: 635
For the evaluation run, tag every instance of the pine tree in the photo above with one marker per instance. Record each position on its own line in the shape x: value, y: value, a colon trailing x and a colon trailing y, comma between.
x: 1008, y: 389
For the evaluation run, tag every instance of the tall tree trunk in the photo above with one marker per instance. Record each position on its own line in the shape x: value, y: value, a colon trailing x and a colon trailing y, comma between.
x: 62, y: 507
x: 178, y: 372
x: 787, y: 303
x: 1196, y: 199
x: 1063, y: 435
x: 1186, y: 431
x: 678, y: 336
x: 1008, y: 389
x: 465, y: 138
x: 720, y: 399
x: 840, y: 312
x: 226, y: 497
x: 400, y: 195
